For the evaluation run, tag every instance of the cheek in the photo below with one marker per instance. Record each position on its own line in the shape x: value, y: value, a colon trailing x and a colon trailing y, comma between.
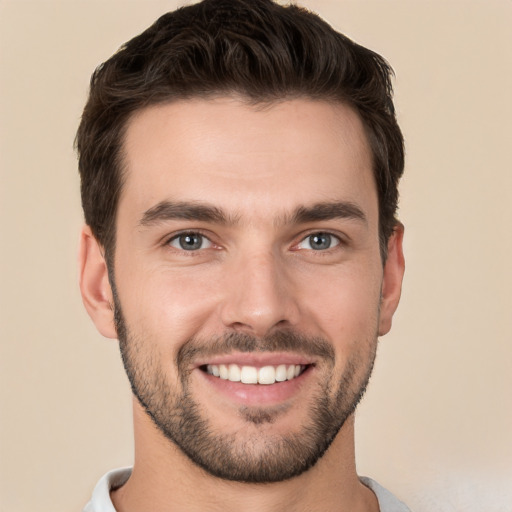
x: 349, y: 315
x: 168, y: 303
x: 346, y: 307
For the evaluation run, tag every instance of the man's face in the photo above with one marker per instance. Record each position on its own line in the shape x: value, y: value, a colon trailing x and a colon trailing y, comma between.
x: 247, y: 248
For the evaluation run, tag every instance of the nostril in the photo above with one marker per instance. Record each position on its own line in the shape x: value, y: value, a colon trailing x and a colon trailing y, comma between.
x: 239, y: 326
x: 259, y: 328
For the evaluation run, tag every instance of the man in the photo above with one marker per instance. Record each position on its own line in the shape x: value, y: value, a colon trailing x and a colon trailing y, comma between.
x: 239, y: 164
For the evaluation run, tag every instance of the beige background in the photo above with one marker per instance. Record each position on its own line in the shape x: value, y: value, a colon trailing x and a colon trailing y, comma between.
x: 436, y: 424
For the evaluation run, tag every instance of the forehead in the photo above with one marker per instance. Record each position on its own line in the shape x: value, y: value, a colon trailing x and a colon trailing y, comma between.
x: 249, y: 159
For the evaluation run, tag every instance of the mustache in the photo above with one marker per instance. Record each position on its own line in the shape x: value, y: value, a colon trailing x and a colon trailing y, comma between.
x: 279, y: 341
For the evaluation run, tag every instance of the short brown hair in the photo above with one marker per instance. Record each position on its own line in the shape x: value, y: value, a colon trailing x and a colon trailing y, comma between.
x: 256, y: 49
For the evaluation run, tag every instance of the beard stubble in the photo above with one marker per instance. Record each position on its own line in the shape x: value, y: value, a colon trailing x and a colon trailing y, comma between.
x: 251, y: 455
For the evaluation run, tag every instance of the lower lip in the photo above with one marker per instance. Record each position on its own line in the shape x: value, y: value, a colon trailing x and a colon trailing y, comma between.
x: 258, y: 394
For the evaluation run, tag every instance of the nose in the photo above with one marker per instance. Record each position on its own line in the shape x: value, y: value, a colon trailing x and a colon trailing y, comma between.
x: 259, y: 295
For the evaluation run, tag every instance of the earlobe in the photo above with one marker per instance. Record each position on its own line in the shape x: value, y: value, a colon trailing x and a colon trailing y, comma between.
x: 392, y: 279
x: 94, y: 284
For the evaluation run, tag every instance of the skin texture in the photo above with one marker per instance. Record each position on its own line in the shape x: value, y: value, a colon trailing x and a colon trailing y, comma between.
x: 254, y: 171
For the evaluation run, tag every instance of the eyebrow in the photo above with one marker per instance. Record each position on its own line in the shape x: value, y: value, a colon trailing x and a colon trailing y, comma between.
x: 328, y: 211
x: 170, y: 210
x: 204, y: 212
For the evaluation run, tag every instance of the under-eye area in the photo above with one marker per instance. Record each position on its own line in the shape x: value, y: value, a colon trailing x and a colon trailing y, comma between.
x: 253, y: 375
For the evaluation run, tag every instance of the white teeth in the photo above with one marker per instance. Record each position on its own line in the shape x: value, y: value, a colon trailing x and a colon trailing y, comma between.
x: 234, y: 373
x: 253, y: 375
x: 281, y: 373
x: 267, y: 375
x: 213, y: 369
x: 223, y: 372
x: 249, y: 375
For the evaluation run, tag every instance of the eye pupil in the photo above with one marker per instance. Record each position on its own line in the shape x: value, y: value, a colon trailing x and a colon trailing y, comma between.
x: 190, y: 242
x: 320, y: 241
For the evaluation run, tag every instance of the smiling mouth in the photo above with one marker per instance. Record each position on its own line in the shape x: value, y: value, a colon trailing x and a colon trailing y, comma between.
x: 253, y: 375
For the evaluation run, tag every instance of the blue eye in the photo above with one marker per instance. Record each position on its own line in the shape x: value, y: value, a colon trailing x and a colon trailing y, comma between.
x: 319, y: 242
x: 190, y: 242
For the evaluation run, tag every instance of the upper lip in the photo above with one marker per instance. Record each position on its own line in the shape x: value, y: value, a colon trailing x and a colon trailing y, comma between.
x: 256, y: 359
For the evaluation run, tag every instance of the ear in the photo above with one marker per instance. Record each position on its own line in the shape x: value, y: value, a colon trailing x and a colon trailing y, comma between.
x: 392, y: 279
x: 94, y: 284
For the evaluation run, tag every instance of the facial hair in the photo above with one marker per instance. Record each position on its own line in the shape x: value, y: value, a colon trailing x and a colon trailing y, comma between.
x: 249, y: 455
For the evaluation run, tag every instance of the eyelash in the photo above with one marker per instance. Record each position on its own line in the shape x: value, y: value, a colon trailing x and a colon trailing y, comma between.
x: 197, y: 233
x: 333, y: 238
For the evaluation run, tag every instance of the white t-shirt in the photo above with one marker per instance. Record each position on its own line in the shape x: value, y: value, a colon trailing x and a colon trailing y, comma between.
x: 101, y: 502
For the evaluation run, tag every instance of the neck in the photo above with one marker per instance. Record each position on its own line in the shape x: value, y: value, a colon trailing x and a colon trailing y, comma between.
x: 165, y: 480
